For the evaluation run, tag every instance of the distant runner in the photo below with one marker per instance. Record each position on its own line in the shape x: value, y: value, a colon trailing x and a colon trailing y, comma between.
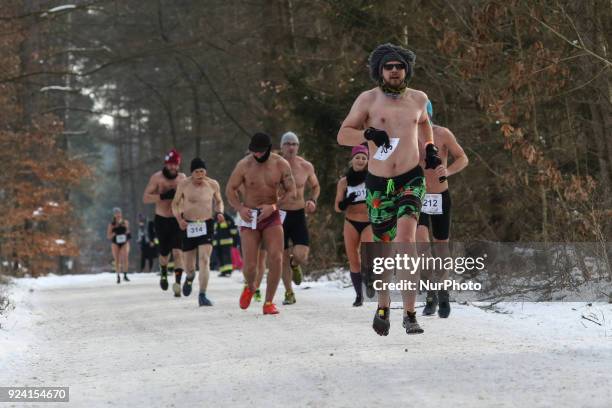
x: 197, y: 205
x: 351, y: 198
x: 160, y: 191
x: 118, y: 232
x: 437, y: 210
x: 261, y: 173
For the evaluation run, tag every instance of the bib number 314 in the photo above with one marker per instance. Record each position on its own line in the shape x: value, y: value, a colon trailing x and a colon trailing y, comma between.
x: 196, y: 229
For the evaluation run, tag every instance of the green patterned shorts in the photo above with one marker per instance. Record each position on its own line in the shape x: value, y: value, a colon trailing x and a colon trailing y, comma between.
x: 389, y: 199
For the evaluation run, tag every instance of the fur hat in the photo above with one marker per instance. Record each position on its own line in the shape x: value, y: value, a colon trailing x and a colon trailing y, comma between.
x: 389, y: 52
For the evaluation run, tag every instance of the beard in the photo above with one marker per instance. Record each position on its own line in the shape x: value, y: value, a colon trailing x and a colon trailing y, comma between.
x: 265, y: 157
x: 392, y: 90
x: 167, y: 174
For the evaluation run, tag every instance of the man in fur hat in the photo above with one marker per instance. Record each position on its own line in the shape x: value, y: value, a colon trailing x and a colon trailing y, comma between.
x: 390, y: 118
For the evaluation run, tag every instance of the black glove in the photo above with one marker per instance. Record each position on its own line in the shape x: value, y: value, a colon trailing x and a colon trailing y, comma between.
x: 379, y: 137
x: 432, y: 160
x: 168, y: 195
x: 347, y: 201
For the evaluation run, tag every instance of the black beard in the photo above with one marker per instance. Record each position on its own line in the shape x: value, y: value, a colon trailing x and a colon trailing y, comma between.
x: 169, y: 175
x: 263, y: 158
x: 355, y: 178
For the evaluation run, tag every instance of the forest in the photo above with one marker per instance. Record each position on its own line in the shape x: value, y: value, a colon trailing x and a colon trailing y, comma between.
x: 93, y: 93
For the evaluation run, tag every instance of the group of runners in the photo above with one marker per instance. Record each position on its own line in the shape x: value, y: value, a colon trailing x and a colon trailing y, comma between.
x: 395, y: 190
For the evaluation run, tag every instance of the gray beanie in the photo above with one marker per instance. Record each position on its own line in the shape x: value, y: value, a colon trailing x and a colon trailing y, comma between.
x: 289, y: 137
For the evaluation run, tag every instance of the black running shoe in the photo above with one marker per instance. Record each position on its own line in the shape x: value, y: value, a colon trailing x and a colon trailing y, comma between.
x: 187, y: 285
x: 369, y: 284
x: 118, y: 279
x: 381, y: 322
x: 358, y: 301
x: 411, y: 325
x: 431, y: 303
x: 125, y: 278
x: 203, y: 300
x: 163, y: 281
x: 444, y: 308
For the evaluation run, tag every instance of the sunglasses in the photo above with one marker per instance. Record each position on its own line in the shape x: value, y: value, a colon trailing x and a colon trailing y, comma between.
x: 389, y: 67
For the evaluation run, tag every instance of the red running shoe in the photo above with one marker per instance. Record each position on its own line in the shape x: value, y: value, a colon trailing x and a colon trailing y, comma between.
x: 245, y: 298
x: 269, y: 308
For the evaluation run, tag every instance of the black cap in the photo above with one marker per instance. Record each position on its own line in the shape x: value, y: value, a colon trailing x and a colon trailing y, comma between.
x: 260, y: 142
x: 197, y: 163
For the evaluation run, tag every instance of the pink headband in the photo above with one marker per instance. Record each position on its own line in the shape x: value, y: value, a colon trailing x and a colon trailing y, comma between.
x: 359, y: 149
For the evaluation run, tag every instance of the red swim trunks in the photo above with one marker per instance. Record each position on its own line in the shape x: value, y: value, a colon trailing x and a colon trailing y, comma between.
x: 271, y: 221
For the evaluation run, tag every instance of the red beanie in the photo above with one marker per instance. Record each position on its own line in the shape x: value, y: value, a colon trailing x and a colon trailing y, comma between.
x: 173, y: 157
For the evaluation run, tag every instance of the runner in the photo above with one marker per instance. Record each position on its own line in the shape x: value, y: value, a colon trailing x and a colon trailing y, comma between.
x: 118, y: 232
x: 160, y: 191
x: 193, y: 208
x: 350, y: 197
x: 293, y: 214
x: 437, y: 210
x: 392, y: 115
x: 261, y: 173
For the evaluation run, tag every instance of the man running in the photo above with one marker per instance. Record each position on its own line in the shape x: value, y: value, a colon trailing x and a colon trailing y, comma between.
x: 261, y: 173
x: 293, y: 210
x: 437, y: 209
x: 392, y: 115
x: 160, y: 191
x: 196, y: 202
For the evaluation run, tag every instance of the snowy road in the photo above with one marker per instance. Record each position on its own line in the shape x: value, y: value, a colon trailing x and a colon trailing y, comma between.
x: 134, y: 345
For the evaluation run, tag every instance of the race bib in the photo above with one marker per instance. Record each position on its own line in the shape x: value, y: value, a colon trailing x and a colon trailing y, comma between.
x: 282, y: 214
x: 121, y: 238
x: 253, y: 223
x: 196, y: 229
x: 359, y: 189
x: 432, y: 204
x: 383, y: 153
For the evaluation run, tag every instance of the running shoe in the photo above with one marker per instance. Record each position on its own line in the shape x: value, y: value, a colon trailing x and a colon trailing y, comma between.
x: 431, y: 303
x: 269, y: 308
x: 411, y: 325
x: 245, y: 297
x: 381, y: 322
x: 289, y: 298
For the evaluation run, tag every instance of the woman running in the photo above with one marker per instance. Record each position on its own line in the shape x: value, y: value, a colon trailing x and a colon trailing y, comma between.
x: 350, y: 197
x: 118, y: 232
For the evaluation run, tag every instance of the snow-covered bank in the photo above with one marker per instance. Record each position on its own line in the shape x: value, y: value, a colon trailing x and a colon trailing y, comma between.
x: 132, y: 344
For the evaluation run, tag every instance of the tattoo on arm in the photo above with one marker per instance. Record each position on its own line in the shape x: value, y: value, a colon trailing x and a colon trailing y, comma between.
x: 288, y: 182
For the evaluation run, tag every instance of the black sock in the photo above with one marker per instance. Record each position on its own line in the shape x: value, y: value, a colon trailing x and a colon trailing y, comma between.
x: 356, y: 278
x: 164, y: 270
x: 178, y: 272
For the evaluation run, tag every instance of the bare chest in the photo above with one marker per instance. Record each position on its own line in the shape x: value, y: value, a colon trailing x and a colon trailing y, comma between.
x: 300, y: 175
x: 261, y: 177
x: 395, y: 117
x: 201, y: 194
x: 163, y: 184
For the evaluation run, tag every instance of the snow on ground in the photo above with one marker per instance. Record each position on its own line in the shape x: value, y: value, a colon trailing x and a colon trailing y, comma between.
x: 134, y: 345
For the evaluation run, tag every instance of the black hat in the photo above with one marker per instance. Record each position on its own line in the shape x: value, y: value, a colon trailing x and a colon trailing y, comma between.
x: 197, y: 163
x: 260, y: 142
